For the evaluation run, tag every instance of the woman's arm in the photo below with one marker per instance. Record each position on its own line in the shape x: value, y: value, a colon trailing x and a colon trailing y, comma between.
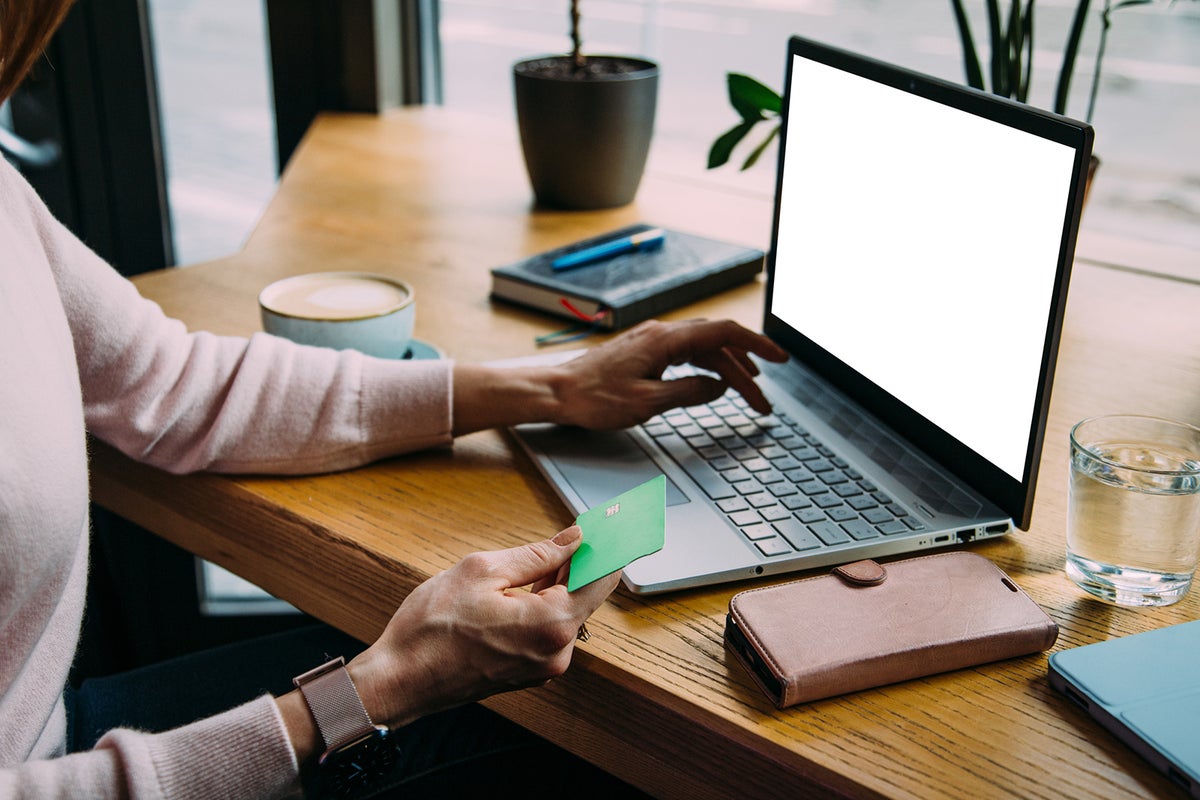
x: 618, y: 383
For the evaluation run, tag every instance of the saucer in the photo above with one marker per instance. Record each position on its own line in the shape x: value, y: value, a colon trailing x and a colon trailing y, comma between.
x: 422, y: 350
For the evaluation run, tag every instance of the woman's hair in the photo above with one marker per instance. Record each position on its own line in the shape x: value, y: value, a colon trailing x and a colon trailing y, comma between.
x: 25, y: 28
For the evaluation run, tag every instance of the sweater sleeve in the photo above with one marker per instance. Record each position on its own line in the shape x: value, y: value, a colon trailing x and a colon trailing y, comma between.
x: 246, y: 750
x: 186, y: 401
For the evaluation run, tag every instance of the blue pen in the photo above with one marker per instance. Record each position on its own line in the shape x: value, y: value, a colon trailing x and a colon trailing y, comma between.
x: 646, y: 240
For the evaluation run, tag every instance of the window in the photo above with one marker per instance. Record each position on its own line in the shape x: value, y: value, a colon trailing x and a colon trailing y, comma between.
x: 217, y: 121
x: 1148, y: 185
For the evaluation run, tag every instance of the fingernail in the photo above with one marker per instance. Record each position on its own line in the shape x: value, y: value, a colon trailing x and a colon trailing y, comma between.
x: 567, y: 535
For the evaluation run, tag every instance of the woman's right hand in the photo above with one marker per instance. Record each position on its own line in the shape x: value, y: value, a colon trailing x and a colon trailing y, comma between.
x: 473, y: 631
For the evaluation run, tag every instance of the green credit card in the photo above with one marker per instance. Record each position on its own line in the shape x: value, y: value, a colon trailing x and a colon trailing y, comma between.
x: 620, y: 531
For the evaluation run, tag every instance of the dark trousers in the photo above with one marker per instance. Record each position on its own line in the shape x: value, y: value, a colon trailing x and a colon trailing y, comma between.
x: 464, y: 752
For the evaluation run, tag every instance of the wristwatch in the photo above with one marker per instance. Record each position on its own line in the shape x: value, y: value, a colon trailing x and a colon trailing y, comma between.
x: 359, y: 755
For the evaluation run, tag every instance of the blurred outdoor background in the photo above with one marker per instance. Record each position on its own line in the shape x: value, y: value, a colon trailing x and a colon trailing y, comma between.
x: 215, y: 90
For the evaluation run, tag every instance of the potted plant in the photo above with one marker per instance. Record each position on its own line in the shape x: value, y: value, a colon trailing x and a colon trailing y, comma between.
x: 585, y: 123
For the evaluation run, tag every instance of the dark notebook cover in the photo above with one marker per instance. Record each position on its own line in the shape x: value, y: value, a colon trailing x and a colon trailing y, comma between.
x: 630, y: 287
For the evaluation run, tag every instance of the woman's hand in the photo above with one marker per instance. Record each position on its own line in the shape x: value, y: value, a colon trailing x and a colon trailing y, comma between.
x: 472, y: 631
x: 618, y: 383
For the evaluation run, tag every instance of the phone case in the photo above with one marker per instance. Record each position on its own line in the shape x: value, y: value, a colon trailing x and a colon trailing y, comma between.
x: 867, y: 625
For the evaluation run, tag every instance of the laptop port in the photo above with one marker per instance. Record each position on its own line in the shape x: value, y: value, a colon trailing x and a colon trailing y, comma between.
x: 945, y: 537
x: 966, y: 535
x: 1000, y: 528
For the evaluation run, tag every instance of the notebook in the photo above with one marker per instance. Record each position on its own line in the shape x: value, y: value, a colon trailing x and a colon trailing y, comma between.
x: 920, y: 252
x: 621, y: 291
x: 1145, y: 689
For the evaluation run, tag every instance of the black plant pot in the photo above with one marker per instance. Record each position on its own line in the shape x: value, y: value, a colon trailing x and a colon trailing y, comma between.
x: 585, y: 133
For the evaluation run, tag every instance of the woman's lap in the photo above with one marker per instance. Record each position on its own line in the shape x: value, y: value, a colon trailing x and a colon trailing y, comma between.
x: 468, y: 749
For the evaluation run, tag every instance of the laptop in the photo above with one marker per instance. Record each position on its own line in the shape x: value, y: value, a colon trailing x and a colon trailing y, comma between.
x: 1145, y: 689
x: 922, y: 242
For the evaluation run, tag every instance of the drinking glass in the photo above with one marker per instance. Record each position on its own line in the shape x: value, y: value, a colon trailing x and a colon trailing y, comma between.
x: 1133, y: 516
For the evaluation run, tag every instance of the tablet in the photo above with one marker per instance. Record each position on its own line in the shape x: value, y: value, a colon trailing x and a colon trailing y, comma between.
x: 1145, y: 688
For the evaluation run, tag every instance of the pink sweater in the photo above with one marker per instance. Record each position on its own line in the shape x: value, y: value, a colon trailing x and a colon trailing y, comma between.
x: 80, y: 351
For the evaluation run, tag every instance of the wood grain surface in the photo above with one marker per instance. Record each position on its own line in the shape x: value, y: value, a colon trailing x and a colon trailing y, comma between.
x: 437, y: 198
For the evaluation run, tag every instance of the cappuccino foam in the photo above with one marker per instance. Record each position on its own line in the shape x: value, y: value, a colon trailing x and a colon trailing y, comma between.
x: 336, y: 297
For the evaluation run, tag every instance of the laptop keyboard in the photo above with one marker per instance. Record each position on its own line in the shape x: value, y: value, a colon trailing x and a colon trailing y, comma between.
x: 775, y: 481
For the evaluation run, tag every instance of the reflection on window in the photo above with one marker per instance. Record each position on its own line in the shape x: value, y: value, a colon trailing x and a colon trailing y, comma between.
x: 1146, y: 119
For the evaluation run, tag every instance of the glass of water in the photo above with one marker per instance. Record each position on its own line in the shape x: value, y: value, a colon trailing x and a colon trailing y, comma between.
x: 1133, y: 518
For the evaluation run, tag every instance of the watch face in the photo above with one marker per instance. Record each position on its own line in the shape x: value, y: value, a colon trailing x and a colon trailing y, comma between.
x: 362, y: 765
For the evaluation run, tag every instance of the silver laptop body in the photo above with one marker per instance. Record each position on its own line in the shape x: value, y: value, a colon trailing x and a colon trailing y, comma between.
x: 921, y: 248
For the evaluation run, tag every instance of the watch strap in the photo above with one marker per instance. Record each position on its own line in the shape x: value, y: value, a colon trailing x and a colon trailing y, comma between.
x: 335, y: 703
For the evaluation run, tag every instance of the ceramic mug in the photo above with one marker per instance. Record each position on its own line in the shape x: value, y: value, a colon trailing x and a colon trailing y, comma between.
x: 343, y: 310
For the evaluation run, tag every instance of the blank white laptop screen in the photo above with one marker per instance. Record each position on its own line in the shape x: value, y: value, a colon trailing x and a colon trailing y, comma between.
x: 881, y: 203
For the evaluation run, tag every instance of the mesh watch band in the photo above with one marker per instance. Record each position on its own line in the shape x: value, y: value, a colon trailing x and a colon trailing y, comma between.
x: 334, y: 702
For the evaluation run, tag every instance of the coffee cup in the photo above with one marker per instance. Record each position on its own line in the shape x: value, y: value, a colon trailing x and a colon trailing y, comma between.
x: 342, y: 310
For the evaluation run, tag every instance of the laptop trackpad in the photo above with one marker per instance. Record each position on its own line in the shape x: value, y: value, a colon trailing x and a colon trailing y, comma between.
x: 599, y: 465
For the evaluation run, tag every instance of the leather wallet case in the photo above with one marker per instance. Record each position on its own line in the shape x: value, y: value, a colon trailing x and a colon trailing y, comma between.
x: 866, y: 625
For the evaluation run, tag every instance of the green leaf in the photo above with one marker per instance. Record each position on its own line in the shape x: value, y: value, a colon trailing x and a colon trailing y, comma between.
x: 752, y: 159
x: 722, y: 148
x: 1070, y: 52
x: 750, y: 98
x: 1025, y: 66
x: 999, y: 48
x: 970, y: 55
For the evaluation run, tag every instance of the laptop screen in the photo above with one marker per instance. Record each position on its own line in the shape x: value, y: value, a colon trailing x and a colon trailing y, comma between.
x: 922, y: 239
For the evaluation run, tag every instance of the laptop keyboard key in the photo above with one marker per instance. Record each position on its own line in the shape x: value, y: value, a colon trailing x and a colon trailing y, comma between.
x: 656, y: 428
x: 810, y: 515
x: 877, y: 516
x: 797, y: 535
x: 748, y: 487
x: 773, y: 547
x: 744, y: 518
x: 735, y: 475
x: 760, y: 499
x: 733, y: 504
x: 812, y: 488
x: 831, y: 478
x: 829, y: 533
x: 773, y: 452
x: 841, y: 514
x: 860, y: 529
x: 756, y: 532
x: 723, y: 463
x: 892, y: 528
x: 775, y: 513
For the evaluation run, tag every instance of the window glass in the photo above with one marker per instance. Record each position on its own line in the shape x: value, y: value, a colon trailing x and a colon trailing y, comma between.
x: 1146, y: 118
x: 217, y: 121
